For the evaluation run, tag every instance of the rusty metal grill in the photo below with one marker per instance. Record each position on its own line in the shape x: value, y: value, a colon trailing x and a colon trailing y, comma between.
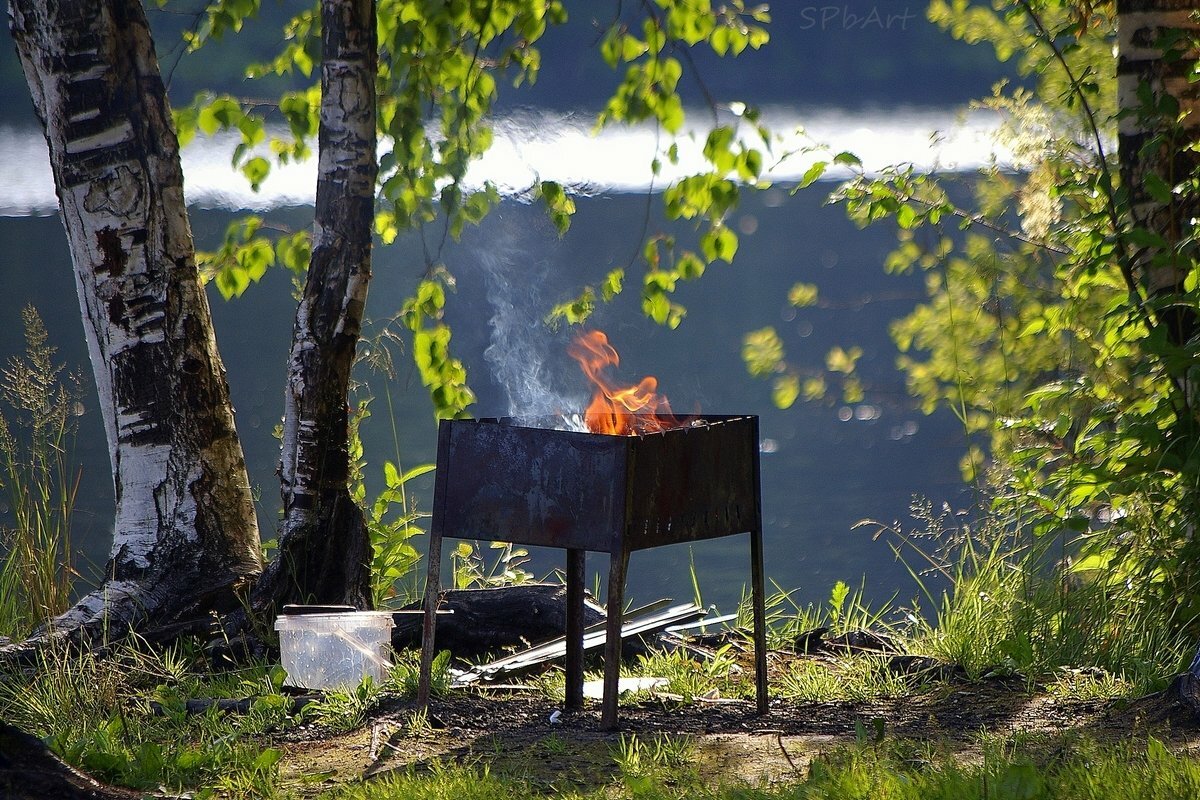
x: 504, y: 480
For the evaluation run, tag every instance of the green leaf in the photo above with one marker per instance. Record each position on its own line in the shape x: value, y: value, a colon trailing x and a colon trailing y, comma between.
x: 221, y: 114
x: 785, y: 391
x: 762, y: 352
x: 416, y: 472
x: 391, y: 475
x: 657, y: 307
x: 802, y: 295
x: 812, y: 174
x: 689, y: 266
x: 1157, y: 187
x: 267, y: 759
x: 256, y: 171
x: 613, y: 282
x: 840, y: 360
x: 720, y: 243
x: 631, y: 47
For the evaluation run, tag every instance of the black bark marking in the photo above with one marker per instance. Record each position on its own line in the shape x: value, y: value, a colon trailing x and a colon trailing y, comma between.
x: 114, y: 255
x: 116, y: 311
x: 142, y: 396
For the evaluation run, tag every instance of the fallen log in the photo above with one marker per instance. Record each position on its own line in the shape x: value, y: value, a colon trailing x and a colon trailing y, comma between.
x: 486, y: 622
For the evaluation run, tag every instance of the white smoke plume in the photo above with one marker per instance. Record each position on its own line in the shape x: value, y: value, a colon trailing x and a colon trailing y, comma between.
x: 521, y: 342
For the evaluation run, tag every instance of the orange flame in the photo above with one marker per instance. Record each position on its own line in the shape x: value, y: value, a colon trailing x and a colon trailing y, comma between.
x: 624, y: 411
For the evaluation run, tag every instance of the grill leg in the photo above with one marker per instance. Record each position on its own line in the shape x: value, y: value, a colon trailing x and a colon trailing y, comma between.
x: 760, y: 619
x: 612, y: 638
x: 575, y: 571
x: 433, y: 579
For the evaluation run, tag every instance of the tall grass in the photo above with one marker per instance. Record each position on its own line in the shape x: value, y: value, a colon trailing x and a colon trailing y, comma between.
x: 39, y: 483
x: 123, y: 719
x: 1014, y: 602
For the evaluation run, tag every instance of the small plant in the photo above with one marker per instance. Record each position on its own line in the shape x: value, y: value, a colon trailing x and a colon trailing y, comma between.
x: 641, y: 760
x: 554, y: 745
x: 391, y: 517
x: 1018, y: 603
x: 690, y: 677
x: 343, y: 711
x: 1090, y: 684
x: 406, y: 673
x: 418, y: 723
x: 845, y: 611
x: 471, y: 571
x: 857, y: 678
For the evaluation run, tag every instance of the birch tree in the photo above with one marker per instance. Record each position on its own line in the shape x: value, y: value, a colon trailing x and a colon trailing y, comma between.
x: 184, y: 532
x: 324, y: 546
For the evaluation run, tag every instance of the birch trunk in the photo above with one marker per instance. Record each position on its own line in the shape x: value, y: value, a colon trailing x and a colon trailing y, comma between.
x: 1158, y: 147
x: 324, y: 549
x: 185, y: 532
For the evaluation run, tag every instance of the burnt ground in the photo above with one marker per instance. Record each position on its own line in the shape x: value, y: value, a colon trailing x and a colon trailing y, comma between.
x: 512, y: 733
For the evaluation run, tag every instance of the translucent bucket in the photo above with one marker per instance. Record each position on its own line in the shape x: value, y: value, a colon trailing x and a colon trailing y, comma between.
x: 335, y: 651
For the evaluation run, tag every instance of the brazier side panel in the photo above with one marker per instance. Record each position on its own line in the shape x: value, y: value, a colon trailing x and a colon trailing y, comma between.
x: 694, y: 482
x: 531, y: 486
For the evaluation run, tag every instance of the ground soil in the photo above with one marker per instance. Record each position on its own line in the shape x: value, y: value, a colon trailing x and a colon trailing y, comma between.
x: 512, y: 732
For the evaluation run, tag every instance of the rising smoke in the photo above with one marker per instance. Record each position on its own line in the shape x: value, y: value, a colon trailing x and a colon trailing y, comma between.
x: 521, y: 343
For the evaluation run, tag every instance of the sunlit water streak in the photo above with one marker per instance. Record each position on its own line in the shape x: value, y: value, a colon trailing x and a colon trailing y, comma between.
x: 536, y: 146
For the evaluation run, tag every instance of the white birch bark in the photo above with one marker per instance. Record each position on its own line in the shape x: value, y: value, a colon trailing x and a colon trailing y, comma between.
x: 185, y: 526
x: 324, y: 547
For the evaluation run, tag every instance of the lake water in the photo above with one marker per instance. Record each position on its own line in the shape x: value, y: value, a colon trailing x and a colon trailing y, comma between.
x: 825, y: 466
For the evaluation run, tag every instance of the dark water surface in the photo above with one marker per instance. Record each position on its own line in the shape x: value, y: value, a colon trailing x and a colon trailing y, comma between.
x: 821, y: 472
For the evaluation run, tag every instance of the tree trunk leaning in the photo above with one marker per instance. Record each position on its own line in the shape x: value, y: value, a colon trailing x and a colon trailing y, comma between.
x: 29, y: 771
x: 324, y: 548
x: 185, y: 533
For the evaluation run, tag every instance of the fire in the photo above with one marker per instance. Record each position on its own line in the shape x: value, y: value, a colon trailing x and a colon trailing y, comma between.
x: 627, y: 410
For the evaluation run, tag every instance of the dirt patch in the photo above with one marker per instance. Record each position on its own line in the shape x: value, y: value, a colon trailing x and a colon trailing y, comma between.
x: 514, y: 734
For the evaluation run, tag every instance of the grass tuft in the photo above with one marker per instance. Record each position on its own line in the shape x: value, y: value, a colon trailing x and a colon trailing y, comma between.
x: 36, y: 437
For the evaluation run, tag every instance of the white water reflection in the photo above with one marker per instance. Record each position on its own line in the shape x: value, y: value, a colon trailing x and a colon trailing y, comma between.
x: 535, y: 146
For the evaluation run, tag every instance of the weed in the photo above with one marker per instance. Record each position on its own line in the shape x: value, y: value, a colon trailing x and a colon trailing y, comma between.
x: 551, y: 684
x: 844, y: 611
x: 1089, y: 684
x: 418, y: 724
x: 639, y: 759
x: 392, y: 517
x: 343, y: 711
x: 406, y: 673
x: 471, y: 571
x: 554, y: 745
